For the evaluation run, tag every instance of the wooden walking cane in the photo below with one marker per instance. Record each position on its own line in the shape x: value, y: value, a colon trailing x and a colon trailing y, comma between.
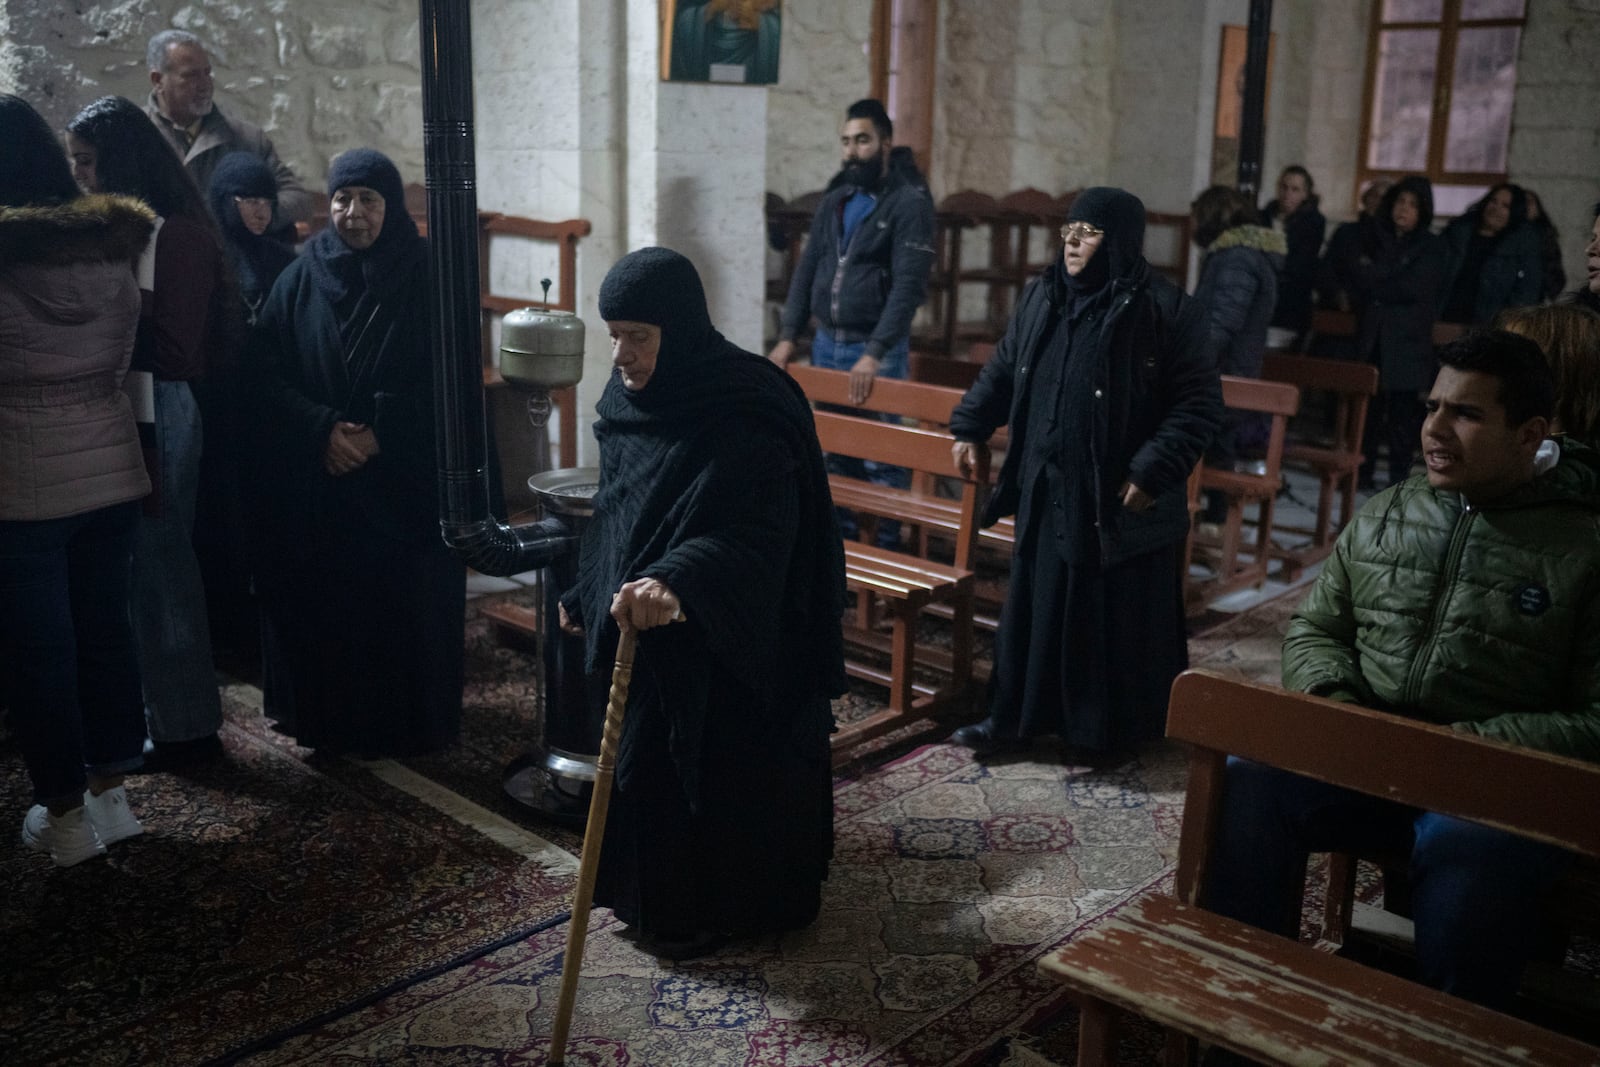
x: 593, y: 831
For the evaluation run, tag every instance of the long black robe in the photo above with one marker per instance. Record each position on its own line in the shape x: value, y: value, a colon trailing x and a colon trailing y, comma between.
x: 1103, y: 378
x: 711, y: 481
x: 363, y: 604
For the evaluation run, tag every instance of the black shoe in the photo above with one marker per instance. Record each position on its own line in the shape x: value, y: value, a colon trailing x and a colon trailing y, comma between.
x: 984, y: 739
x: 678, y: 950
x: 171, y: 756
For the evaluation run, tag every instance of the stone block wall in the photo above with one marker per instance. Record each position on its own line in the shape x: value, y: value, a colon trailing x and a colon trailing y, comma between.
x: 319, y: 78
x: 1555, y: 124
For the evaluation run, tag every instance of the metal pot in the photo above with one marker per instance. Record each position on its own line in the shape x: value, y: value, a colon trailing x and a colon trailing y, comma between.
x: 541, y: 349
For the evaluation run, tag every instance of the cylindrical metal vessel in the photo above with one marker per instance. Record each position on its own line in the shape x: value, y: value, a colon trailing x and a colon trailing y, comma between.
x: 541, y: 349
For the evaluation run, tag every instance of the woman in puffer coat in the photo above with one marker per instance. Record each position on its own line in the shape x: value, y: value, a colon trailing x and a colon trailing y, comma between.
x: 1238, y: 290
x: 71, y: 477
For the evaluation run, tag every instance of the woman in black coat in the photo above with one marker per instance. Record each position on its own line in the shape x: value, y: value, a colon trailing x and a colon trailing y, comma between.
x: 1296, y: 214
x: 1110, y: 390
x: 1495, y: 258
x: 363, y: 605
x: 1398, y: 275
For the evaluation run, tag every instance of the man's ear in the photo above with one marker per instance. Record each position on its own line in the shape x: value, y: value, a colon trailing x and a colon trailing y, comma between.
x: 155, y: 79
x: 1532, y: 432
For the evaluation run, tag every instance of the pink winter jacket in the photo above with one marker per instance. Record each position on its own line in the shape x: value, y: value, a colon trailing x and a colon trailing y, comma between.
x: 69, y: 305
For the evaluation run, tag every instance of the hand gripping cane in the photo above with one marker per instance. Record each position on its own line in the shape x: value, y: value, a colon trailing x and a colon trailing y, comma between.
x: 589, y: 863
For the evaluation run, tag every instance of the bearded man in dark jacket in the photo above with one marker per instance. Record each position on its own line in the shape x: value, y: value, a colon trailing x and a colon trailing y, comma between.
x: 1108, y: 381
x: 1467, y: 597
x: 863, y: 275
x: 713, y: 536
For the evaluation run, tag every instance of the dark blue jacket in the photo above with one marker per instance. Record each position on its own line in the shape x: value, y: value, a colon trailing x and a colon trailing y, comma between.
x: 1513, y: 274
x: 870, y: 290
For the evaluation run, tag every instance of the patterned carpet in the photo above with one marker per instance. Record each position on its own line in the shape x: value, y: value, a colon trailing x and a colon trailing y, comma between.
x: 289, y: 909
x: 267, y: 892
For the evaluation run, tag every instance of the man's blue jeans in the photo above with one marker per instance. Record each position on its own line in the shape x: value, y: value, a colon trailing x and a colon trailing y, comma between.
x: 829, y: 355
x: 74, y: 675
x: 1476, y: 892
x: 169, y: 598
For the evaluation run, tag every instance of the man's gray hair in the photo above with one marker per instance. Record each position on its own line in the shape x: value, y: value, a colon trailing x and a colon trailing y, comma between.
x: 156, y: 54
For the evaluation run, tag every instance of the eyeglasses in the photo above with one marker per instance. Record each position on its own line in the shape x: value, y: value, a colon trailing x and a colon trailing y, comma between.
x: 253, y: 201
x: 1080, y: 231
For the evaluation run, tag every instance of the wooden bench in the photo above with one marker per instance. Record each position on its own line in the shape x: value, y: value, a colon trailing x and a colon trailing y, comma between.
x: 1278, y: 1001
x: 1336, y: 459
x: 924, y: 512
x: 898, y: 588
x: 1234, y: 568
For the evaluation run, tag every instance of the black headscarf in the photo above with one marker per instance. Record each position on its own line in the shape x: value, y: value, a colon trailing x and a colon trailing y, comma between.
x: 256, y: 258
x: 342, y: 272
x: 1121, y: 215
x: 681, y: 461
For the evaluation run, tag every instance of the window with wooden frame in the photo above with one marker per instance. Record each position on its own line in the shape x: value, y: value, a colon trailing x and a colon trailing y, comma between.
x: 1441, y: 76
x: 905, y: 40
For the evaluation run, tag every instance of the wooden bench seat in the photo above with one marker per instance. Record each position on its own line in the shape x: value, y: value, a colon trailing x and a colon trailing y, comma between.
x: 1278, y: 1001
x: 1273, y: 999
x: 1237, y: 563
x: 898, y: 588
x: 1336, y: 460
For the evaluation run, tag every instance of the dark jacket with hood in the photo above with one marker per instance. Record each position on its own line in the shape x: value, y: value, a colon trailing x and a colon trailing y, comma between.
x: 69, y: 306
x: 1239, y: 289
x: 1511, y: 275
x: 869, y: 290
x: 1297, y: 276
x: 1485, y: 618
x: 1398, y: 282
x: 1156, y: 381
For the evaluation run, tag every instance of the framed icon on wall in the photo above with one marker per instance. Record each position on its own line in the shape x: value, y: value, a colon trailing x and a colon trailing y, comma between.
x: 730, y: 42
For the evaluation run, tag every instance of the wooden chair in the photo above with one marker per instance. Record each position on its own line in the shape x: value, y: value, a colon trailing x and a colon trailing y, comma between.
x: 1234, y: 568
x: 1336, y: 460
x: 1278, y: 1001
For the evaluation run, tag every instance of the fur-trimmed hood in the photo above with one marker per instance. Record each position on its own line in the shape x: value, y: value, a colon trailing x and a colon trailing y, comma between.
x: 90, y: 228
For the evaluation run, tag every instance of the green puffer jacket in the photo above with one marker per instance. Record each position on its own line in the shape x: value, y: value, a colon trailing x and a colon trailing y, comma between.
x: 1486, y: 619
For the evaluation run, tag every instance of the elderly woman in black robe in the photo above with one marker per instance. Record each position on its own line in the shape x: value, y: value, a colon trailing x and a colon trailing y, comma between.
x: 363, y: 604
x: 1109, y: 385
x: 713, y: 510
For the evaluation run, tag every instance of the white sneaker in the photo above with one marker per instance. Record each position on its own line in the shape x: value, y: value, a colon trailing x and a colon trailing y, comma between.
x: 111, y: 817
x: 70, y: 839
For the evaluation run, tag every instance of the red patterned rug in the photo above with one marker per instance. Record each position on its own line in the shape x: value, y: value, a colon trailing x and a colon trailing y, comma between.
x: 267, y: 894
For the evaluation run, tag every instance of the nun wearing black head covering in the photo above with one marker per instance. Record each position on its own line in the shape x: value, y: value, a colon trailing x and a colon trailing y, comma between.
x: 1108, y: 384
x: 712, y: 494
x: 256, y: 259
x: 363, y: 604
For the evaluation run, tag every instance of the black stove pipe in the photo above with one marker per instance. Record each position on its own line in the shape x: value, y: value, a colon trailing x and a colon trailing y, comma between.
x: 488, y: 545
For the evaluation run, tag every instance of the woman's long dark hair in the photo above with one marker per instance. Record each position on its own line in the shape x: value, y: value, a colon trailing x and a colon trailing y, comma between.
x: 132, y: 158
x: 33, y: 168
x: 1519, y: 208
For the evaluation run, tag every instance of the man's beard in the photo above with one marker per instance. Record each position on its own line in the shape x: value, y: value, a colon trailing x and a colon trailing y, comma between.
x: 864, y: 173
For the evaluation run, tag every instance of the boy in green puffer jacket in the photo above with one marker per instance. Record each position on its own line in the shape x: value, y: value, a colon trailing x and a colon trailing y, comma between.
x: 1469, y: 597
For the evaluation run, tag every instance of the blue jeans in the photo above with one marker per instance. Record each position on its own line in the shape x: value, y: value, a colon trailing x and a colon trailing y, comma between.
x: 169, y: 599
x: 68, y: 646
x: 1476, y: 892
x: 830, y: 355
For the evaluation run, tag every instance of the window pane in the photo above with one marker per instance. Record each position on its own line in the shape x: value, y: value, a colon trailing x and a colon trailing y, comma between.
x: 1413, y: 10
x: 1480, y: 99
x: 1451, y: 200
x: 1492, y: 9
x: 1402, y: 100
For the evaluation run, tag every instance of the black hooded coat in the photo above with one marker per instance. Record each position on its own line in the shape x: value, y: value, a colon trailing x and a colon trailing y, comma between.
x: 712, y: 482
x: 1104, y: 378
x: 363, y: 604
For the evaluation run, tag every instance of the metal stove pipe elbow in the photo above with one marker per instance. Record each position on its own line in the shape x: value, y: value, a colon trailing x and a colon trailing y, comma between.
x: 489, y: 546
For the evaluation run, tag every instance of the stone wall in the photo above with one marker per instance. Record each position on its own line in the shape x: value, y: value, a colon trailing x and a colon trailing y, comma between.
x: 824, y: 68
x: 1555, y: 133
x: 319, y: 77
